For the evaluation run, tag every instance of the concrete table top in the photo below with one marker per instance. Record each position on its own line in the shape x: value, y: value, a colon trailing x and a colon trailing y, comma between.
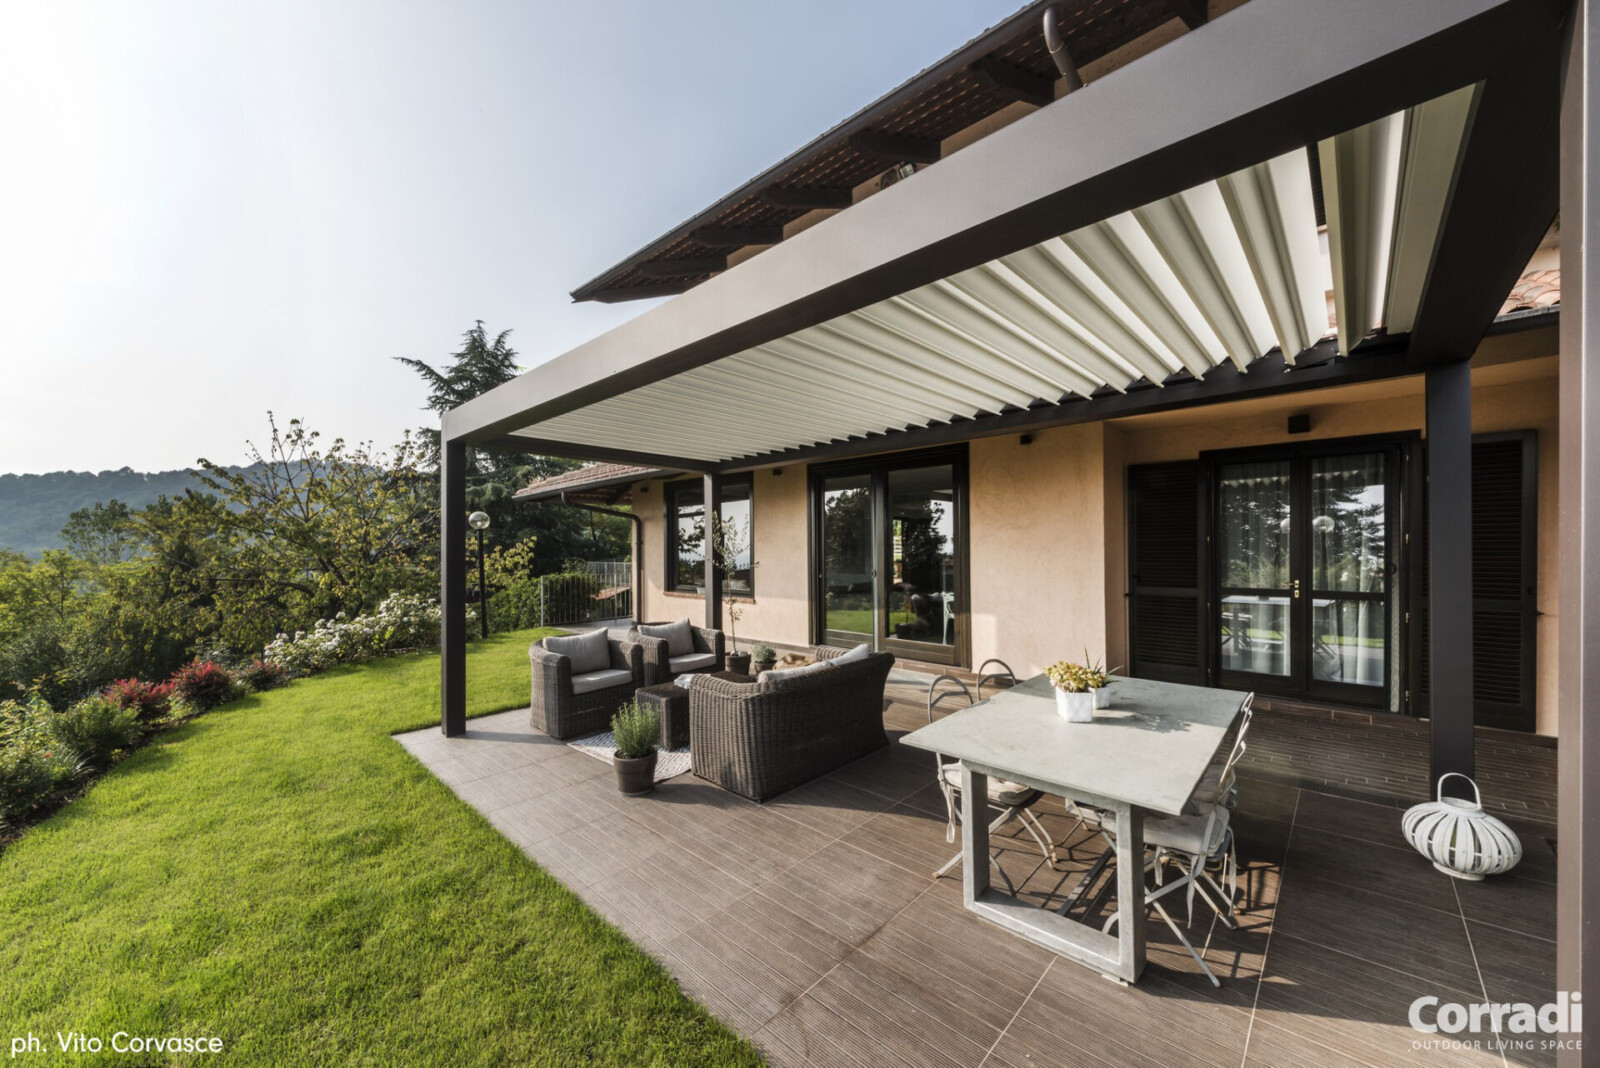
x: 1149, y: 749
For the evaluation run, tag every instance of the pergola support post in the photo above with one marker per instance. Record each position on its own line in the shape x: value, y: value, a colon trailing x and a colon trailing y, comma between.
x: 1578, y: 671
x: 714, y: 575
x: 452, y: 588
x: 1449, y: 417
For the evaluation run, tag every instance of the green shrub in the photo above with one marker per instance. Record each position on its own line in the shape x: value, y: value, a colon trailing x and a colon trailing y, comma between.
x: 149, y: 700
x: 96, y: 729
x: 203, y: 685
x: 34, y: 766
x: 637, y: 730
x: 762, y: 653
x: 262, y: 675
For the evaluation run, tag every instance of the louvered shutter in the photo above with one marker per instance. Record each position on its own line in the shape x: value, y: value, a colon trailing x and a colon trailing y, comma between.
x: 1504, y: 584
x: 1164, y: 552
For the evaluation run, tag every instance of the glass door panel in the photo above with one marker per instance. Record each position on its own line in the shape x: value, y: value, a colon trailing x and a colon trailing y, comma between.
x: 1304, y: 551
x: 921, y: 591
x: 1349, y: 581
x: 1255, y: 535
x: 849, y: 577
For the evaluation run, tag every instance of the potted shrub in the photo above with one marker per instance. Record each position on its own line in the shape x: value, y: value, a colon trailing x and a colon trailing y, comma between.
x: 637, y: 732
x: 1074, y: 696
x: 729, y: 543
x: 765, y: 656
x: 1099, y: 680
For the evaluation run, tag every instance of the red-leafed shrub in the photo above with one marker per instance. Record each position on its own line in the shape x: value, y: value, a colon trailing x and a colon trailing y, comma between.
x: 263, y: 675
x: 149, y: 700
x: 203, y: 685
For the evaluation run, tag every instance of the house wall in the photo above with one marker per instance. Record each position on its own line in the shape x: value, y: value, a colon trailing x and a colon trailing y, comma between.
x: 779, y: 611
x: 1048, y: 519
x: 1039, y: 547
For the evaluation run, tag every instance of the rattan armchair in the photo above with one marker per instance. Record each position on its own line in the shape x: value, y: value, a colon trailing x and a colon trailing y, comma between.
x: 761, y: 738
x: 559, y: 711
x: 658, y: 663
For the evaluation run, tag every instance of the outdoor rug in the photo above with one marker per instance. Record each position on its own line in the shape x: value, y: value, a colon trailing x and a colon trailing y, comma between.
x: 669, y: 762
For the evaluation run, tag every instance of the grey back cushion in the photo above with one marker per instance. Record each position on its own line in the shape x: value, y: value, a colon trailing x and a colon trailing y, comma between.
x: 589, y: 651
x: 859, y: 652
x: 679, y: 636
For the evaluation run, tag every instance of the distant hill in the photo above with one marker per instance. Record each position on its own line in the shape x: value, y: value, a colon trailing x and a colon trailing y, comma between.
x: 34, y: 508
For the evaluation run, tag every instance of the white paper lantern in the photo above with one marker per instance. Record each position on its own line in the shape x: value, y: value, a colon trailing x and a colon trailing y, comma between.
x: 1459, y: 836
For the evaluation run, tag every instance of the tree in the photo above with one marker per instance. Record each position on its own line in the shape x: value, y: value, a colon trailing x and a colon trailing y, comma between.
x: 314, y: 530
x: 494, y: 476
x: 103, y: 534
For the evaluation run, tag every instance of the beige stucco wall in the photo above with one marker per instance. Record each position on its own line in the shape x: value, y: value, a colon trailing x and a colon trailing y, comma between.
x: 1038, y: 547
x: 780, y: 611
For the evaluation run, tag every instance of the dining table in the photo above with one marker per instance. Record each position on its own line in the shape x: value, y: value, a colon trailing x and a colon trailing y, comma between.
x: 1144, y: 753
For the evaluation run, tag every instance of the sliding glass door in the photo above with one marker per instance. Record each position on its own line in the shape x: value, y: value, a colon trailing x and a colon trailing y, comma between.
x: 889, y: 545
x: 1305, y: 560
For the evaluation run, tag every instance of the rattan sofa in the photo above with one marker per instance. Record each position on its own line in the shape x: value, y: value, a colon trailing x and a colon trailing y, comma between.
x: 658, y: 664
x: 560, y: 712
x: 761, y: 738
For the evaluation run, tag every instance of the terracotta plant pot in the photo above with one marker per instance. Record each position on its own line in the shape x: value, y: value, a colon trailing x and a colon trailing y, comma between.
x: 764, y: 665
x: 739, y: 662
x: 635, y: 775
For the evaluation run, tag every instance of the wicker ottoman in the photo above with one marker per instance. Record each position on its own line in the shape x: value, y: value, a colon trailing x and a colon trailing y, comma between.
x: 671, y: 703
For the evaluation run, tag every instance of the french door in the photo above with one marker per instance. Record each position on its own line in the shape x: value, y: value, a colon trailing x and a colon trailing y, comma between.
x: 889, y: 549
x: 1305, y: 550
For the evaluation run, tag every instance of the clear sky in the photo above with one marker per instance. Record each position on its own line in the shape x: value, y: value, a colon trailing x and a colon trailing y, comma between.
x: 209, y: 210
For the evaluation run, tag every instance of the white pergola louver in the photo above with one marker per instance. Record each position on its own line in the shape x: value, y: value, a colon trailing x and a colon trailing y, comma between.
x: 1224, y: 272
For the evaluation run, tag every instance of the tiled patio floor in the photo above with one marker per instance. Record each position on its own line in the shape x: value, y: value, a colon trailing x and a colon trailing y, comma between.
x: 813, y: 925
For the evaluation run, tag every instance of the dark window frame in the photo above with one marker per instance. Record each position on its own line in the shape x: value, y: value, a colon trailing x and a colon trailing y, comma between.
x: 670, y: 493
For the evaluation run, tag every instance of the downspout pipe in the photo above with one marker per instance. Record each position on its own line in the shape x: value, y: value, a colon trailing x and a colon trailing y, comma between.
x: 637, y: 545
x: 1058, y: 50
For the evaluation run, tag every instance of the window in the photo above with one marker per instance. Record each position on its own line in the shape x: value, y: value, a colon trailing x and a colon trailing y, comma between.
x: 686, y: 560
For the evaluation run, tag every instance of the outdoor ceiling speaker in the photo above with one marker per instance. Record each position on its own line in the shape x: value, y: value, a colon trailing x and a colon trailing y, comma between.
x: 1300, y: 424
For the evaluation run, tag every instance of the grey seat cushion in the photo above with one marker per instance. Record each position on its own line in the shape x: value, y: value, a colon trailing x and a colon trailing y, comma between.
x: 604, y: 679
x: 1186, y: 834
x: 1001, y: 791
x: 589, y: 651
x: 691, y: 662
x: 679, y: 636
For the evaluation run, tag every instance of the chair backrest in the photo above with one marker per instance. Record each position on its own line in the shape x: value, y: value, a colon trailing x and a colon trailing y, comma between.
x: 1246, y: 714
x: 935, y: 695
x: 1006, y: 674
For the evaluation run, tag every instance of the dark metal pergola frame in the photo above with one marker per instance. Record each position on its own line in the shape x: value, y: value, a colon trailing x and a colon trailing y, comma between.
x: 1265, y: 79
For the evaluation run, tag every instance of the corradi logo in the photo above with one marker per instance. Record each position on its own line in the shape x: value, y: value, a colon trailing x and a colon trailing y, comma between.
x: 1517, y: 1024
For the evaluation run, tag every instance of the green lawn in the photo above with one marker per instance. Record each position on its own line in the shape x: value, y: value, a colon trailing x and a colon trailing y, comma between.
x: 283, y: 875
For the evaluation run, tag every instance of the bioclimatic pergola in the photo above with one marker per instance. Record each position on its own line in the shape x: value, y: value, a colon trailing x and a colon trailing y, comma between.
x: 1149, y: 242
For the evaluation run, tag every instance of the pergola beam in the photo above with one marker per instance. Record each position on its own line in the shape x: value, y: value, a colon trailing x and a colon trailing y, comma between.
x: 1140, y: 133
x: 1578, y: 659
x: 1319, y: 367
x: 569, y: 450
x: 1505, y: 194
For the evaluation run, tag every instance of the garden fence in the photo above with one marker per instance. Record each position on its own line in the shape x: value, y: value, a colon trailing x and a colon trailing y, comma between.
x: 604, y: 591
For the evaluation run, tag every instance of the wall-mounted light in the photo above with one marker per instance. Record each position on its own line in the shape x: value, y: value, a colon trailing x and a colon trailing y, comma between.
x: 1300, y: 423
x: 1026, y: 439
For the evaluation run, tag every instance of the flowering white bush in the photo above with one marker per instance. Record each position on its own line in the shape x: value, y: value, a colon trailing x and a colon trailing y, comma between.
x: 402, y: 621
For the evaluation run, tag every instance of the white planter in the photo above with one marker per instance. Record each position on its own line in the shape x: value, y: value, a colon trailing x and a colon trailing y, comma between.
x: 1102, y: 697
x: 1075, y: 707
x: 1459, y: 836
